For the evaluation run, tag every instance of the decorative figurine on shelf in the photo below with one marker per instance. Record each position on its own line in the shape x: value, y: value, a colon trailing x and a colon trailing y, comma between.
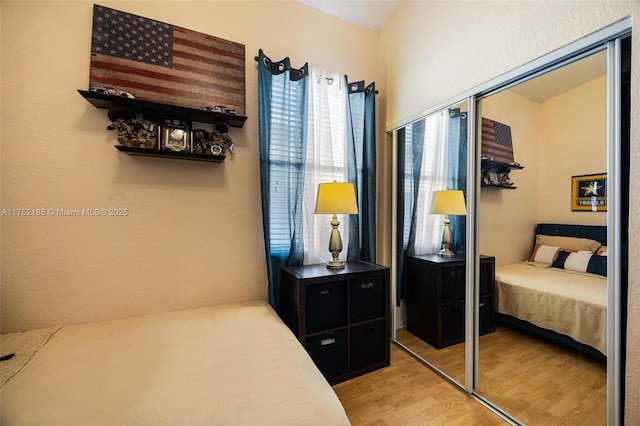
x: 112, y: 92
x: 220, y: 108
x: 136, y: 132
x: 503, y: 179
x: 212, y: 142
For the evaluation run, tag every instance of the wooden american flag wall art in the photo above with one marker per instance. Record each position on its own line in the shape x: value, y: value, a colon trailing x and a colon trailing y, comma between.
x: 164, y: 63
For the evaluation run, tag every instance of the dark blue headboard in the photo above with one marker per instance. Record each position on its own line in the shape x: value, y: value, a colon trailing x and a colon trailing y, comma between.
x: 593, y: 232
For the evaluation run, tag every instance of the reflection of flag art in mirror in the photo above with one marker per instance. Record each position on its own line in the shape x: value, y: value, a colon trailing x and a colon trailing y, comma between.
x: 496, y: 141
x: 589, y: 193
x: 164, y: 63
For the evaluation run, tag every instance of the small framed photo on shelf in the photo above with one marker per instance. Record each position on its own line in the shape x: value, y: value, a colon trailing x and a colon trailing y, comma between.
x: 175, y: 135
x: 589, y: 193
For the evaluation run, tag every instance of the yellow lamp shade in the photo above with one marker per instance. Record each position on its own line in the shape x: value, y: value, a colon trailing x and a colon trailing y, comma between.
x: 336, y: 198
x: 449, y: 202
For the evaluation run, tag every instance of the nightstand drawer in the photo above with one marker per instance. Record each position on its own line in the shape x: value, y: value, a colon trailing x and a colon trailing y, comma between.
x: 326, y: 306
x: 367, y: 344
x: 366, y: 299
x: 452, y: 322
x: 453, y: 281
x: 329, y: 352
x: 485, y: 313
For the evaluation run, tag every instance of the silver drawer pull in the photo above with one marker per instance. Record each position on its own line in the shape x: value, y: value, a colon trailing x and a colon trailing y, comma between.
x: 366, y: 285
x: 325, y: 342
x: 325, y: 292
x: 481, y: 305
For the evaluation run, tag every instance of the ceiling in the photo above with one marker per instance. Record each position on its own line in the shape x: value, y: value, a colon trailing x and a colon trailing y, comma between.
x: 372, y: 14
x: 554, y: 83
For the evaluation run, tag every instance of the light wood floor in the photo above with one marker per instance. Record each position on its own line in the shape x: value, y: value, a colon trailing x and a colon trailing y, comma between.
x: 409, y: 393
x: 535, y: 382
x: 532, y: 380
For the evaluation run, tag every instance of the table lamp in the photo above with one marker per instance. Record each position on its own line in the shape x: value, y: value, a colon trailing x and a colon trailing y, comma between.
x: 448, y: 202
x: 336, y: 198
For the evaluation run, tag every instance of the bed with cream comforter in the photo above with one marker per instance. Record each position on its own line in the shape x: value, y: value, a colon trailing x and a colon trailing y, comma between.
x: 220, y: 365
x: 567, y: 302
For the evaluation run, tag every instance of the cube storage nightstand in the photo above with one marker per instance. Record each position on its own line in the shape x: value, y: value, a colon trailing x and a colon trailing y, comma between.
x: 340, y: 316
x: 436, y: 298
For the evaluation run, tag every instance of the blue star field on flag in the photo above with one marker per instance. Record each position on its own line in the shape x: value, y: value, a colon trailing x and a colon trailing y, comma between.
x: 129, y: 36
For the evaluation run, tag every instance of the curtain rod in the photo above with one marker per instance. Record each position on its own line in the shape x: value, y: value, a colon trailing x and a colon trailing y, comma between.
x: 330, y: 79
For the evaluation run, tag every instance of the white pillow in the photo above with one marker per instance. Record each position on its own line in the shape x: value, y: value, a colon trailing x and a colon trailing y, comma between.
x: 578, y: 261
x: 545, y: 254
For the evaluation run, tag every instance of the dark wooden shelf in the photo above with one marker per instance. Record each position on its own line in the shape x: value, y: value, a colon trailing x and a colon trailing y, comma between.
x: 497, y: 164
x: 497, y: 186
x: 180, y: 155
x: 156, y: 111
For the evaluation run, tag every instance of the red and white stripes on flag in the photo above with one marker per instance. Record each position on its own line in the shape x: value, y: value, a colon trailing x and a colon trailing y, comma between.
x: 496, y: 141
x: 163, y: 63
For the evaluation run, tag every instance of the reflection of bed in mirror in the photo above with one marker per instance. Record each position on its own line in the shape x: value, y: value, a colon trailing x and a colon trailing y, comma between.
x: 560, y: 292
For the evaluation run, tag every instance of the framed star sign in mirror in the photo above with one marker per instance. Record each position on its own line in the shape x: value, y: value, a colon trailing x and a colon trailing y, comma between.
x: 589, y: 193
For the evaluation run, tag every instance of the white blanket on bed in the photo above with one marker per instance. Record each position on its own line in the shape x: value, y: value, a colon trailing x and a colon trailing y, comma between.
x: 220, y: 365
x: 570, y: 303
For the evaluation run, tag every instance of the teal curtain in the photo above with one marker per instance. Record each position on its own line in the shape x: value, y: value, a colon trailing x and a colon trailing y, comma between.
x: 457, y: 178
x: 282, y: 105
x: 361, y: 140
x: 410, y: 150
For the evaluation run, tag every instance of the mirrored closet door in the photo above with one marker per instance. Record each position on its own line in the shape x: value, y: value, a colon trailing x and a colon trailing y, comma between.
x: 544, y: 152
x: 546, y: 361
x: 431, y: 187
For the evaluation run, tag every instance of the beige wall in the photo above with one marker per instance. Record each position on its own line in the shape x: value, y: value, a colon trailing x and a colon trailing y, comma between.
x: 193, y: 234
x: 508, y: 216
x: 574, y: 136
x: 435, y: 50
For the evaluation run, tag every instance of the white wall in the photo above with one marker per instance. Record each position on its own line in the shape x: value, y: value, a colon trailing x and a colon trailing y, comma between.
x: 435, y: 50
x: 193, y: 234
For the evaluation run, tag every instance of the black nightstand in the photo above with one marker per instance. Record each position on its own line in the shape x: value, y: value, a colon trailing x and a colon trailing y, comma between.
x: 341, y: 317
x: 435, y: 298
